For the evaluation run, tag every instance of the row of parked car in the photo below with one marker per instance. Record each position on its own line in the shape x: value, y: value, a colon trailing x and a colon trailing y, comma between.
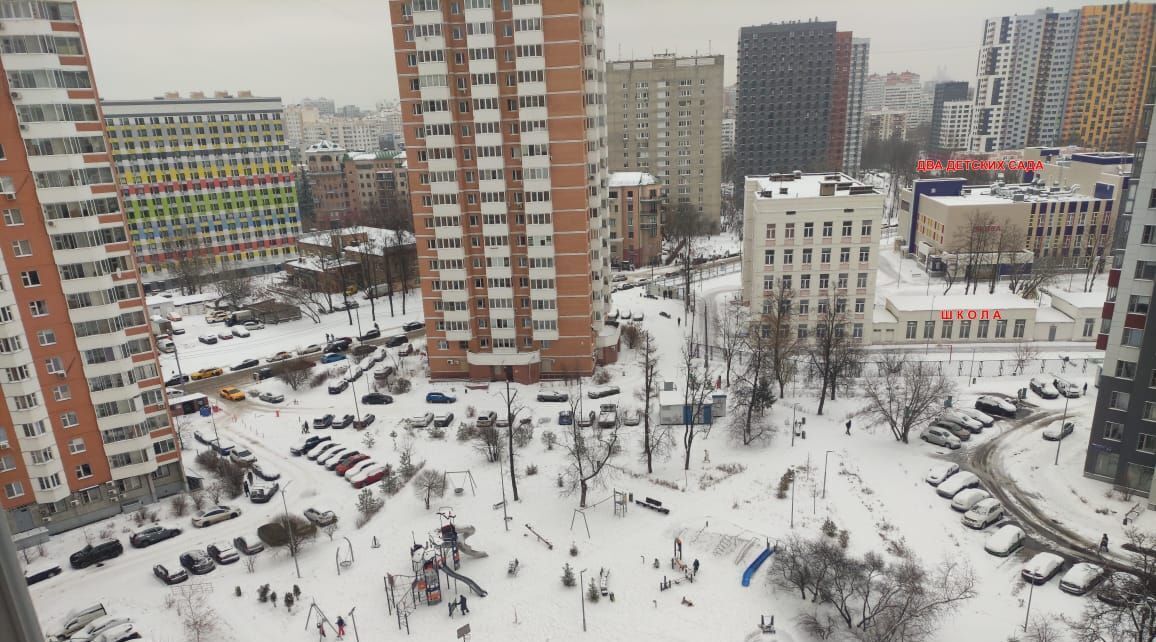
x: 956, y: 425
x: 356, y: 467
x: 94, y: 624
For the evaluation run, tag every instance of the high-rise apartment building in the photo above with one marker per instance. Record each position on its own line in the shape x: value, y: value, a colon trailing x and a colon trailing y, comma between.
x: 806, y: 128
x: 1111, y: 76
x: 323, y: 105
x: 207, y: 184
x: 1022, y: 76
x: 856, y: 88
x: 505, y: 128
x: 351, y: 187
x: 950, y: 115
x: 84, y: 423
x: 665, y: 118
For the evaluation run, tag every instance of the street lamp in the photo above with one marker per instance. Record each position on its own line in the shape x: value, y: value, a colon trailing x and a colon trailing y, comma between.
x: 335, y: 238
x: 825, y: 455
x: 289, y: 528
x: 582, y: 595
x: 356, y: 408
x: 1060, y: 438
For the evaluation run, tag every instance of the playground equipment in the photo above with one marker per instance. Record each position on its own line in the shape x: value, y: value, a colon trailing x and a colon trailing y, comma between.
x: 466, y: 549
x: 604, y: 581
x: 621, y: 502
x: 513, y: 567
x: 344, y: 560
x: 767, y: 623
x: 540, y: 538
x: 460, y: 478
x: 749, y: 573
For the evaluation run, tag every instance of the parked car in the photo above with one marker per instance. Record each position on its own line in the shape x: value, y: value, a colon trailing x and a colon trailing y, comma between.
x: 96, y: 553
x: 77, y: 619
x: 1081, y: 578
x: 553, y: 396
x: 340, y: 344
x: 319, y: 518
x: 412, y: 326
x: 208, y: 339
x: 215, y: 514
x: 376, y: 399
x: 217, y: 316
x: 370, y: 335
x: 406, y: 350
x: 983, y: 514
x: 980, y: 416
x: 222, y: 448
x: 937, y: 474
x: 345, y: 422
x: 338, y: 387
x: 253, y: 325
x: 201, y: 437
x: 264, y: 471
x: 178, y: 331
x: 961, y: 433
x: 170, y: 577
x: 396, y: 340
x: 177, y: 380
x: 940, y: 437
x: 243, y: 456
x: 349, y: 462
x: 152, y: 535
x: 1067, y: 389
x: 323, y: 421
x: 310, y: 349
x: 332, y: 357
x: 271, y: 397
x: 366, y: 420
x: 197, y: 562
x: 333, y: 454
x: 956, y: 483
x: 565, y: 418
x: 231, y: 394
x: 587, y: 420
x: 1057, y: 430
x: 962, y: 420
x: 39, y: 573
x: 309, y: 442
x: 604, y: 391
x: 97, y: 628
x: 205, y: 373
x: 968, y: 497
x: 1121, y: 588
x: 383, y: 373
x: 439, y: 397
x: 1044, y: 388
x: 368, y: 476
x: 241, y: 332
x: 333, y: 462
x: 631, y: 418
x: 358, y: 468
x: 248, y: 544
x: 225, y: 336
x: 354, y: 373
x: 443, y: 421
x: 996, y: 406
x: 364, y: 349
x: 320, y: 449
x: 486, y: 419
x: 280, y: 356
x: 222, y: 553
x: 420, y: 421
x: 1006, y: 540
x: 1041, y: 568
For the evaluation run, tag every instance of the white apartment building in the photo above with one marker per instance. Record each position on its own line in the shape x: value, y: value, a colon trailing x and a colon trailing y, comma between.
x: 817, y: 235
x: 728, y: 137
x: 955, y: 125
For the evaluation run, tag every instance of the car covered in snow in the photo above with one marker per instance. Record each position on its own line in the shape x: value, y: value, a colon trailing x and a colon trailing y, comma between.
x: 443, y: 421
x: 208, y: 339
x: 1058, y: 430
x: 215, y: 514
x: 318, y: 451
x: 936, y: 474
x: 960, y: 433
x: 1041, y: 568
x: 312, y: 348
x: 332, y: 454
x: 309, y: 442
x: 242, y: 456
x: 366, y: 421
x: 1006, y: 540
x: 40, y: 572
x: 170, y: 576
x: 994, y: 405
x: 222, y: 553
x: 358, y: 468
x: 265, y: 471
x: 197, y: 562
x: 1081, y: 578
x: 100, y: 626
x: 953, y: 418
x: 420, y: 421
x: 984, y: 513
x: 602, y: 392
x: 940, y: 437
x: 349, y: 462
x: 1043, y: 387
x: 553, y: 396
x: 320, y: 518
x: 982, y: 417
x: 248, y: 544
x: 565, y: 417
x: 1120, y: 589
x: 323, y: 421
x: 368, y: 476
x: 261, y: 492
x: 631, y: 418
x: 968, y: 497
x: 280, y: 356
x: 332, y: 357
x: 957, y: 482
x: 1066, y: 388
x: 271, y: 397
x: 333, y: 462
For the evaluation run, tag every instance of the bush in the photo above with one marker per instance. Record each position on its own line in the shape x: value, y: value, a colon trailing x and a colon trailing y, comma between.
x: 844, y: 538
x: 523, y: 434
x: 296, y: 591
x: 288, y: 601
x: 471, y: 412
x: 630, y: 335
x: 601, y: 376
x: 592, y: 593
x: 319, y: 378
x: 829, y: 528
x: 549, y: 438
x: 273, y: 598
x: 179, y: 505
x: 785, y: 484
x: 263, y: 593
x: 561, y: 483
x: 531, y: 470
x: 568, y: 578
x: 466, y: 432
x: 208, y: 460
x: 436, y: 432
x: 237, y: 591
x: 400, y: 386
x: 573, y: 550
x: 199, y: 500
x: 293, y: 373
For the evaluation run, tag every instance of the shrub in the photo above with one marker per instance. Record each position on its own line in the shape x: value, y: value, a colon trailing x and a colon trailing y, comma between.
x: 296, y: 591
x: 273, y: 598
x: 592, y: 593
x: 198, y: 500
x: 601, y: 376
x: 829, y: 528
x: 471, y: 412
x: 844, y: 538
x: 568, y: 578
x: 531, y: 470
x: 466, y: 432
x: 436, y: 432
x: 630, y: 335
x: 263, y: 593
x: 573, y: 550
x: 140, y: 517
x: 237, y: 591
x: 367, y: 504
x: 208, y: 460
x: 319, y: 378
x: 561, y: 483
x: 549, y: 438
x: 400, y: 386
x: 785, y: 484
x: 523, y: 434
x: 288, y: 601
x: 179, y: 505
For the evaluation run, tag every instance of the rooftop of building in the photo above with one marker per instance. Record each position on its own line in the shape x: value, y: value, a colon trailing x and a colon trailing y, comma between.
x: 377, y: 237
x: 378, y: 155
x: 809, y: 185
x: 319, y: 263
x: 1003, y: 194
x: 325, y: 146
x: 631, y: 179
x: 1000, y: 299
x: 193, y: 97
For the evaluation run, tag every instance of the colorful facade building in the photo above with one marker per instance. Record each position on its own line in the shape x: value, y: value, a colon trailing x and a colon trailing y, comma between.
x: 207, y: 184
x: 85, y: 431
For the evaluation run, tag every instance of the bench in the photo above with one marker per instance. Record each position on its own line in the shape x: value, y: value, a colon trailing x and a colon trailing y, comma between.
x: 658, y: 508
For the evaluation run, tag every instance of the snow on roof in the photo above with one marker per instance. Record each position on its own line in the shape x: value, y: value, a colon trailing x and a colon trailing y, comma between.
x: 1005, y: 300
x: 378, y: 237
x: 159, y: 299
x: 380, y: 155
x: 1048, y: 314
x: 629, y: 179
x: 881, y: 315
x: 318, y: 264
x: 324, y: 146
x: 1093, y: 299
x: 983, y: 196
x: 805, y: 185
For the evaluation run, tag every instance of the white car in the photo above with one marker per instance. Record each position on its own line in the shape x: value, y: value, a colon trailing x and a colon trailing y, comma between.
x: 242, y: 456
x: 1041, y: 568
x: 98, y: 626
x: 358, y: 468
x: 978, y: 415
x: 240, y: 331
x: 968, y: 497
x: 320, y: 449
x: 1044, y: 388
x: 118, y: 633
x: 937, y: 474
x: 420, y: 421
x: 214, y: 515
x: 940, y: 437
x: 1057, y: 430
x: 1005, y: 541
x: 624, y: 315
x: 962, y: 420
x: 957, y: 482
x: 983, y: 514
x: 1081, y: 578
x: 331, y: 455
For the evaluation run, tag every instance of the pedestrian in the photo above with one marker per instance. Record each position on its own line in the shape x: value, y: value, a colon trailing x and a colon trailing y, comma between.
x: 696, y: 566
x: 848, y: 427
x: 340, y: 627
x: 1104, y: 543
x: 321, y: 629
x: 462, y: 605
x: 246, y: 488
x: 451, y: 606
x: 1085, y: 388
x: 375, y: 326
x: 249, y: 476
x: 680, y: 322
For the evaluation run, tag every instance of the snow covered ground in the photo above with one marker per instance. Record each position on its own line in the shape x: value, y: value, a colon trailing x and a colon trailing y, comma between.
x: 865, y: 483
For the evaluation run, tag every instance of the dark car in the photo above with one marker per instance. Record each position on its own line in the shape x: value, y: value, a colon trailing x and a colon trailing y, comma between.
x: 264, y: 373
x: 222, y: 553
x: 396, y: 340
x: 332, y: 465
x: 265, y: 472
x: 197, y: 562
x: 553, y: 396
x: 376, y: 399
x: 371, y: 334
x: 41, y: 574
x: 323, y: 422
x: 332, y: 357
x: 439, y: 397
x: 177, y: 380
x: 413, y: 326
x: 443, y: 421
x: 383, y: 373
x: 364, y: 349
x: 152, y: 535
x: 170, y: 577
x: 996, y: 406
x: 338, y: 387
x: 565, y: 418
x: 366, y: 421
x: 96, y: 553
x: 307, y: 444
x: 248, y: 544
x: 340, y: 344
x: 261, y: 492
x: 345, y: 422
x: 247, y: 363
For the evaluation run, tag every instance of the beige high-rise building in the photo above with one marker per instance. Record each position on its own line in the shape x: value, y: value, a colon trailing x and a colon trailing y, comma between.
x: 665, y: 118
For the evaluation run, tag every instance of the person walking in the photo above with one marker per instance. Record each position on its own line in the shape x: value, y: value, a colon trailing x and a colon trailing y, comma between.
x: 1085, y: 388
x: 375, y: 326
x: 321, y: 629
x: 848, y: 427
x: 695, y: 566
x: 245, y: 486
x: 1104, y: 544
x: 462, y: 605
x: 340, y: 627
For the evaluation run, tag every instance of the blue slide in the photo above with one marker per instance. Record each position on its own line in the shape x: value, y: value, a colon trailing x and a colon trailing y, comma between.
x: 465, y: 580
x: 747, y: 574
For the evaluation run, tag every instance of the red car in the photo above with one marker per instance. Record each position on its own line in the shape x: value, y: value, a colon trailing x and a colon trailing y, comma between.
x: 372, y: 478
x: 350, y: 463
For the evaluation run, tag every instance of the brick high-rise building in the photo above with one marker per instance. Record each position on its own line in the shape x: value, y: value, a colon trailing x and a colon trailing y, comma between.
x: 666, y: 119
x: 505, y: 129
x: 84, y: 423
x: 1111, y: 76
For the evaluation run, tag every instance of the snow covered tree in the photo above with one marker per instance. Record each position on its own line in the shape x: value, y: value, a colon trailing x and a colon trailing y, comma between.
x: 429, y: 483
x: 696, y: 389
x: 731, y: 327
x: 753, y: 394
x: 655, y: 439
x: 586, y: 457
x: 904, y: 394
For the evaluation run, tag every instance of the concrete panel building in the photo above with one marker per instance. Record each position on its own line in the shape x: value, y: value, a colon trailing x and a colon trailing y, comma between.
x: 856, y: 88
x: 636, y: 202
x: 950, y: 116
x: 505, y: 113
x: 665, y: 118
x: 85, y: 431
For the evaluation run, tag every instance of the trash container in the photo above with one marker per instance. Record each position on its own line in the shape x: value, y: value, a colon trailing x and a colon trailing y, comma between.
x: 947, y: 402
x: 1023, y: 393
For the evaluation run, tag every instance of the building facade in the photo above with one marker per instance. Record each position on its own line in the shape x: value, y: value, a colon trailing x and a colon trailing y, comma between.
x: 950, y: 113
x: 305, y: 126
x: 856, y: 88
x: 84, y: 426
x: 665, y: 118
x: 325, y: 170
x: 818, y: 236
x: 207, y: 184
x: 513, y: 244
x: 1111, y: 76
x: 635, y: 218
x: 885, y: 124
x: 727, y: 132
x: 902, y: 92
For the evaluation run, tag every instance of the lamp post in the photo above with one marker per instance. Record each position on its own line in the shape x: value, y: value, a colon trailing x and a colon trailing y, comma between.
x: 289, y: 528
x: 582, y: 595
x: 931, y: 320
x: 825, y: 455
x: 1060, y: 438
x: 335, y: 239
x: 356, y: 408
x: 180, y: 373
x: 1031, y: 591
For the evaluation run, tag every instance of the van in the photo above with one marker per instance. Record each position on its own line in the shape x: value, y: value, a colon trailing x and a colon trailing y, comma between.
x: 240, y: 316
x: 166, y: 345
x: 374, y: 291
x: 77, y: 619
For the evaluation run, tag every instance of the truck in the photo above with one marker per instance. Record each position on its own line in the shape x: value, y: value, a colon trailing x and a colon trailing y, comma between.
x: 608, y: 415
x: 240, y: 316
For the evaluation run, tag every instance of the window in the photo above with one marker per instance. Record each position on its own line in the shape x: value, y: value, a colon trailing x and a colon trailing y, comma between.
x: 770, y: 230
x: 38, y: 308
x: 860, y: 304
x: 965, y: 329
x: 865, y: 228
x: 928, y: 329
x: 1138, y: 304
x: 69, y: 420
x: 1089, y: 327
x: 807, y: 254
x: 808, y: 230
x: 864, y: 254
x: 54, y: 365
x: 789, y: 231
x: 911, y: 329
x: 861, y: 280
x: 21, y: 248
x: 1145, y: 270
x: 164, y: 446
x: 61, y: 392
x: 1132, y: 337
x: 83, y: 471
x: 825, y: 255
x: 844, y: 255
x: 1113, y: 431
x: 1138, y: 477
x: 945, y: 333
x: 857, y: 331
x: 1018, y: 329
x: 13, y: 217
x: 1149, y: 411
x: 13, y: 490
x: 7, y: 463
x: 768, y: 257
x: 76, y: 446
x: 1148, y: 235
x: 1001, y: 329
x: 1147, y: 443
x: 1119, y: 400
x: 30, y: 279
x: 847, y: 228
x: 1126, y: 369
x: 46, y: 337
x: 824, y: 281
x: 828, y: 229
x: 981, y: 332
x: 788, y: 257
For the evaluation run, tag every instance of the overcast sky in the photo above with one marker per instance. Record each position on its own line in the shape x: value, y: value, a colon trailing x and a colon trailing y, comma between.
x: 341, y: 48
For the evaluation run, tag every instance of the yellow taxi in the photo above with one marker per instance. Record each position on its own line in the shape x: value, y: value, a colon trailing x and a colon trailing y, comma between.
x: 206, y: 373
x: 232, y: 394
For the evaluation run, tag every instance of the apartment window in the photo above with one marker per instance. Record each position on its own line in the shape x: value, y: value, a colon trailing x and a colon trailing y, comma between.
x: 69, y: 420
x: 912, y: 329
x: 13, y: 217
x: 61, y: 392
x: 1147, y: 443
x: 789, y: 231
x: 1148, y: 235
x: 981, y: 332
x: 864, y: 254
x: 1018, y: 329
x: 1133, y: 337
x: 768, y: 283
x: 768, y: 257
x: 1138, y: 304
x: 46, y: 337
x: 83, y: 471
x: 847, y: 228
x: 770, y: 230
x: 965, y: 329
x: 805, y: 282
x: 828, y: 229
x: 824, y: 281
x: 1119, y: 400
x: 788, y: 257
x: 844, y: 255
x: 1149, y: 411
x: 21, y: 248
x: 164, y: 446
x: 38, y: 308
x: 804, y: 307
x: 808, y: 230
x: 857, y: 331
x: 1089, y: 327
x: 54, y: 365
x: 945, y: 332
x: 861, y: 280
x: 1126, y: 369
x: 1145, y: 270
x: 1001, y: 329
x: 30, y: 278
x: 860, y: 305
x: 13, y: 490
x: 928, y: 329
x: 807, y: 254
x: 7, y: 463
x: 76, y: 446
x: 865, y: 228
x: 1113, y: 431
x: 825, y: 255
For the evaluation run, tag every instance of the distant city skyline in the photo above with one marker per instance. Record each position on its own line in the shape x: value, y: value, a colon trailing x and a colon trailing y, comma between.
x: 343, y: 49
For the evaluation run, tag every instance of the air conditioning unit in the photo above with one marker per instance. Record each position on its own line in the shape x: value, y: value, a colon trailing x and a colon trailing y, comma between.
x: 10, y: 195
x: 74, y: 502
x: 4, y: 445
x: 15, y: 95
x: 23, y: 127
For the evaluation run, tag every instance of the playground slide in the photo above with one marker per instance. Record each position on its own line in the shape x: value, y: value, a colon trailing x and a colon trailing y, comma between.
x: 463, y: 533
x: 467, y: 581
x: 747, y: 574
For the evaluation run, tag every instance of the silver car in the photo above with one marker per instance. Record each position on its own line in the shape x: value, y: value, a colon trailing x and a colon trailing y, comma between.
x: 940, y: 437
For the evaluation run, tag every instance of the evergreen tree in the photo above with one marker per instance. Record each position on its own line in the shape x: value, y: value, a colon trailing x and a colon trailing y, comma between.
x: 568, y: 575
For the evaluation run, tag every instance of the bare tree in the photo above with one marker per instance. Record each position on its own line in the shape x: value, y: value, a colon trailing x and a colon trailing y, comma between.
x: 235, y: 287
x: 905, y: 602
x: 904, y: 394
x: 684, y: 226
x: 428, y: 484
x: 973, y: 243
x: 1025, y: 354
x: 489, y: 442
x: 647, y: 394
x: 753, y: 394
x: 731, y: 326
x: 293, y: 372
x: 288, y: 531
x: 1132, y: 616
x: 198, y: 618
x: 696, y: 389
x: 834, y: 354
x: 307, y: 300
x: 513, y: 408
x: 1099, y: 244
x: 187, y: 259
x: 1043, y: 629
x: 1028, y: 278
x: 782, y: 344
x: 586, y: 455
x: 1009, y: 242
